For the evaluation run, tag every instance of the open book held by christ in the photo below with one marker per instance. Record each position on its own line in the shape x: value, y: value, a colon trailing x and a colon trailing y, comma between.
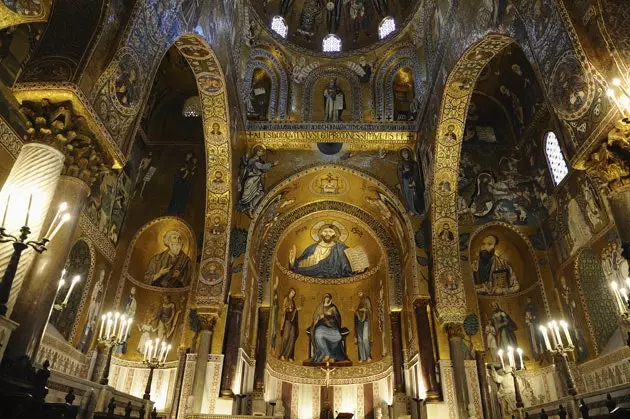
x: 358, y: 259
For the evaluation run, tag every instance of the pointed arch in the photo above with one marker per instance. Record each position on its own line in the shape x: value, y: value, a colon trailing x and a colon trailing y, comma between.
x: 260, y: 55
x: 211, y: 85
x: 384, y: 80
x: 451, y: 303
x: 252, y: 65
x: 331, y: 72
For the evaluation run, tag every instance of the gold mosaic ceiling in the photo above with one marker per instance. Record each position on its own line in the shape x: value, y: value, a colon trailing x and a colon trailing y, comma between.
x: 356, y: 22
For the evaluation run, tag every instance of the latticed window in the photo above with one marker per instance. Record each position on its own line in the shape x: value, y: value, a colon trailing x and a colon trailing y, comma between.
x: 555, y: 158
x: 332, y: 43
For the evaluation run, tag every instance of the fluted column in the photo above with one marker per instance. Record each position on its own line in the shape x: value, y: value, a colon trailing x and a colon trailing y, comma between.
x: 261, y: 348
x: 427, y: 355
x: 205, y: 342
x: 36, y: 171
x: 397, y: 351
x: 458, y: 356
x: 231, y: 344
x: 32, y: 308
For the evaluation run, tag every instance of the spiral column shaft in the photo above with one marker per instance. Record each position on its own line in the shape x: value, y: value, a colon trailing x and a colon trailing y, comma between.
x: 36, y: 171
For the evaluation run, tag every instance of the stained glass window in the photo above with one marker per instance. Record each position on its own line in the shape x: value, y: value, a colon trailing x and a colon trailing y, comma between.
x: 555, y: 158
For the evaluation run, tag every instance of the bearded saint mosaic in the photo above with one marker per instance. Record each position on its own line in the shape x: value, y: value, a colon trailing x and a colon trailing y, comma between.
x: 171, y: 268
x: 493, y: 274
x: 329, y: 256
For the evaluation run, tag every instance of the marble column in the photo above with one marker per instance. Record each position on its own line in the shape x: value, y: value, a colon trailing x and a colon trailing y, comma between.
x: 201, y: 366
x: 427, y: 355
x: 482, y: 376
x: 397, y: 351
x: 36, y: 171
x: 261, y: 348
x: 458, y: 356
x: 39, y: 289
x: 231, y: 343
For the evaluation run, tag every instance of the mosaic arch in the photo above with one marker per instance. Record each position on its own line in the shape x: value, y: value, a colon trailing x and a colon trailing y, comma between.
x: 530, y: 249
x: 451, y: 303
x: 252, y: 65
x: 257, y: 55
x: 326, y: 72
x: 384, y: 80
x: 211, y: 86
x: 262, y: 270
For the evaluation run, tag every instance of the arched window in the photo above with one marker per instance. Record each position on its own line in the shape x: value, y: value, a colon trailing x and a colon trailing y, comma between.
x: 555, y: 159
x: 279, y: 26
x: 387, y: 26
x: 332, y: 43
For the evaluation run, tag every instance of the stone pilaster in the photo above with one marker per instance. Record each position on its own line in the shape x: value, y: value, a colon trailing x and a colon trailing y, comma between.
x: 205, y: 343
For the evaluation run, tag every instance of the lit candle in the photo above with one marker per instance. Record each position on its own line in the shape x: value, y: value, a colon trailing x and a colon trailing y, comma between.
x: 628, y: 282
x: 500, y: 353
x: 556, y: 331
x: 162, y: 351
x: 62, y: 208
x: 511, y: 356
x: 157, y: 345
x: 624, y: 294
x: 168, y: 348
x: 149, y: 350
x: 126, y: 331
x: 6, y: 210
x: 615, y: 288
x: 116, y: 316
x: 110, y: 323
x: 554, y: 344
x: 146, y: 350
x: 74, y: 282
x: 62, y: 282
x: 543, y: 330
x: 64, y: 218
x: 565, y: 328
x: 109, y: 316
x: 28, y: 209
x: 121, y: 329
x: 103, y: 318
x: 520, y: 357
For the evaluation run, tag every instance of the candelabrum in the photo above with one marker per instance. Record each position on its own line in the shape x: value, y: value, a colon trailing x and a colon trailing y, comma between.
x: 511, y: 368
x: 154, y: 359
x: 560, y: 349
x: 21, y: 243
x: 114, y: 332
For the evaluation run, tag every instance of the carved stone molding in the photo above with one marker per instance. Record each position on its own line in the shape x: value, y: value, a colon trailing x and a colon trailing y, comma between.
x: 57, y: 124
x: 610, y: 163
x: 78, y: 116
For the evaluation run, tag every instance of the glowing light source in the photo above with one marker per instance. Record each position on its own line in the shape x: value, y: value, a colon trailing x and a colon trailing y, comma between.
x: 386, y: 27
x: 555, y: 159
x: 279, y: 26
x: 192, y: 107
x: 331, y: 43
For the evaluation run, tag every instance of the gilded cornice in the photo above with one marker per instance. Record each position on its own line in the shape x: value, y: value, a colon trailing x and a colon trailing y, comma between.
x: 355, y: 140
x: 59, y: 92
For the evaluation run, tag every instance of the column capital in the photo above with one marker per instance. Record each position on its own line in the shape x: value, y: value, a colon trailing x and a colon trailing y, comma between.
x: 58, y: 125
x: 610, y: 162
x: 208, y: 321
x: 454, y: 330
